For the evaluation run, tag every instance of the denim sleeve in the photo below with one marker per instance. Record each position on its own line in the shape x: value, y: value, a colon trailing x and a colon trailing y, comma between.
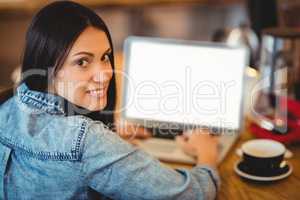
x: 118, y: 170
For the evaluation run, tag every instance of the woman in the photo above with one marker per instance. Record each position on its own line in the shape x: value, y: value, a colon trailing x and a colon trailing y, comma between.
x: 55, y: 137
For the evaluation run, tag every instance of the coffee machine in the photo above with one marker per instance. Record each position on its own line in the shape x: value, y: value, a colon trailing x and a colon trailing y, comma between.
x: 276, y: 110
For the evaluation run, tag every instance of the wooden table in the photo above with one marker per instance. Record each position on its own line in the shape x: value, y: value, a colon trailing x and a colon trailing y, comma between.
x: 235, y: 187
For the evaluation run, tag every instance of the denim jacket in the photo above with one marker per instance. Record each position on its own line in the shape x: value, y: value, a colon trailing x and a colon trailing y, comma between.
x: 45, y: 154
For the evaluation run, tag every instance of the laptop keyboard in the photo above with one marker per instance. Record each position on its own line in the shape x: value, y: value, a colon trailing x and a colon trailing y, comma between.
x: 166, y: 149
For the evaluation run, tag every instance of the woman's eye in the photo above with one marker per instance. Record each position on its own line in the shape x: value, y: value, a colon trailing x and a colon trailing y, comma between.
x: 82, y: 63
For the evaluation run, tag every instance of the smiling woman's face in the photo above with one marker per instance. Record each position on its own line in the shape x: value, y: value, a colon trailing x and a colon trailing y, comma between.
x: 85, y: 75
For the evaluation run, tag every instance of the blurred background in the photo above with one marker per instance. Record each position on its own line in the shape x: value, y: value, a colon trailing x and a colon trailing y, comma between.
x: 205, y: 20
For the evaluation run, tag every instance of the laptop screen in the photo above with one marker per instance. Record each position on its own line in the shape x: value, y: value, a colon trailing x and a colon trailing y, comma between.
x: 183, y: 82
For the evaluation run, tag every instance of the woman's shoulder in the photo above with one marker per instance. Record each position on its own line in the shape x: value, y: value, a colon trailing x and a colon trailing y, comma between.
x: 56, y: 137
x: 42, y: 135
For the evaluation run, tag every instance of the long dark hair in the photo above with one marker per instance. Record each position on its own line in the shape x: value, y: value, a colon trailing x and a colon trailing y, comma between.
x: 49, y: 39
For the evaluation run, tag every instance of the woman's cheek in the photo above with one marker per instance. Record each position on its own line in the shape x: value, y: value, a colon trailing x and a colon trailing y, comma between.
x: 79, y: 93
x: 61, y: 74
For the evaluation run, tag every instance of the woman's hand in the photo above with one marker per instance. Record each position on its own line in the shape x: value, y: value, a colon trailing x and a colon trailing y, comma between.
x: 130, y: 131
x: 200, y: 143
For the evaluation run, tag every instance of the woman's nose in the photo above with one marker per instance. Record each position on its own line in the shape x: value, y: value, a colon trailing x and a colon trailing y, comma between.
x: 102, y: 74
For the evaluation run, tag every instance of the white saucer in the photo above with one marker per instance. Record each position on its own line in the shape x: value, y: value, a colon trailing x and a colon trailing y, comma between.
x: 261, y: 178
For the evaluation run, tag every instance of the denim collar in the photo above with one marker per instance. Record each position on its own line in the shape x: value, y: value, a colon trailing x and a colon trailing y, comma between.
x: 47, y: 102
x: 54, y: 104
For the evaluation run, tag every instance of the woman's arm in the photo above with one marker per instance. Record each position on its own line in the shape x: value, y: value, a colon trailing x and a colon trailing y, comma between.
x: 118, y: 170
x: 129, y: 131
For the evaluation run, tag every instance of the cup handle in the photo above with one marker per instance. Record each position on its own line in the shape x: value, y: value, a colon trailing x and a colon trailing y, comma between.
x: 239, y: 152
x: 288, y: 154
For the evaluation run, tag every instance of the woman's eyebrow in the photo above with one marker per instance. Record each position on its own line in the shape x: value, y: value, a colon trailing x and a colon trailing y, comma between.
x: 90, y: 54
x: 84, y: 52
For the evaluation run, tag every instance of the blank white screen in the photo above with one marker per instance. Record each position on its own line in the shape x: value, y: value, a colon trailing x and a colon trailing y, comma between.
x: 183, y: 83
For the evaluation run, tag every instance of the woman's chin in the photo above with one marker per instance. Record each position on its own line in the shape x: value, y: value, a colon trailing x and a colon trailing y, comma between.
x: 96, y: 109
x: 92, y: 103
x: 97, y: 106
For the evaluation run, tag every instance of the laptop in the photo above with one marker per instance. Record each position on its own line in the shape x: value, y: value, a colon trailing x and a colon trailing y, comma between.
x: 177, y: 85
